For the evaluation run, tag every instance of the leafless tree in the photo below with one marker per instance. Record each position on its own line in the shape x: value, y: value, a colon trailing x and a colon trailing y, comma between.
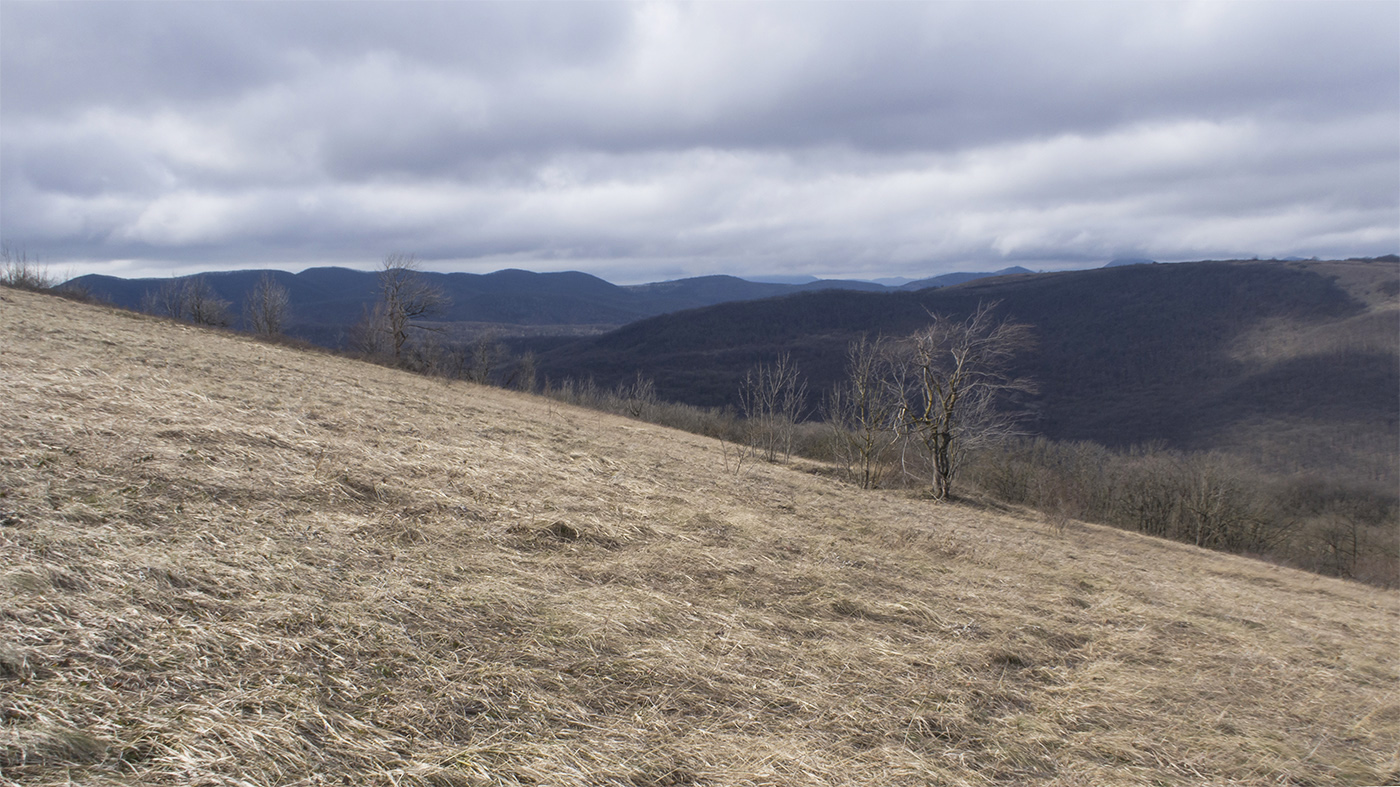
x: 166, y: 301
x: 861, y: 411
x: 404, y: 297
x: 1220, y: 511
x: 370, y: 334
x: 192, y: 298
x: 953, y: 379
x: 487, y: 355
x: 772, y: 398
x: 266, y: 307
x: 203, y: 305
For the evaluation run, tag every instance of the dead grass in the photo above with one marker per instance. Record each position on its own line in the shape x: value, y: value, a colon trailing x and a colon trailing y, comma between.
x: 230, y: 563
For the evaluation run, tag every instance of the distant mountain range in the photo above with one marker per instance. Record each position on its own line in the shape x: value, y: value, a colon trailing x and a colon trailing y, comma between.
x: 327, y: 301
x: 949, y: 279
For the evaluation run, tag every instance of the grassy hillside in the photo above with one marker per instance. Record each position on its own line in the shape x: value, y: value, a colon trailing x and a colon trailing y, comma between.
x: 1294, y: 365
x: 229, y: 563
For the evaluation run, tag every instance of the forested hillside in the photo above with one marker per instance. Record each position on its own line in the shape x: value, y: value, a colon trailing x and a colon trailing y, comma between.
x: 1293, y: 364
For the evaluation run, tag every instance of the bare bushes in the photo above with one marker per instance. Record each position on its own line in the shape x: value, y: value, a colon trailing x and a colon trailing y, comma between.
x: 435, y: 350
x: 426, y: 354
x: 487, y: 355
x: 1345, y: 531
x: 863, y: 412
x: 1192, y: 498
x: 772, y: 398
x: 192, y: 299
x: 267, y: 307
x: 17, y: 270
x: 405, y: 300
x: 638, y: 396
x: 1202, y: 499
x: 938, y: 395
x: 638, y: 399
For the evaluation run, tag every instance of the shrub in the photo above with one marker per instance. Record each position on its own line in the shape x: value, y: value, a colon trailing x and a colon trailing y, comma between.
x: 1203, y: 499
x: 22, y: 273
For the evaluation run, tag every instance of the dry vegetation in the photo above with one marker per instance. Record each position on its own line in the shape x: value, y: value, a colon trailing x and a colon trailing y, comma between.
x: 1303, y: 442
x: 1370, y: 283
x: 231, y: 563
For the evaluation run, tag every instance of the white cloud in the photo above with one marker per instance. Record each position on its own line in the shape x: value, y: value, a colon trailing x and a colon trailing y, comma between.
x: 695, y: 138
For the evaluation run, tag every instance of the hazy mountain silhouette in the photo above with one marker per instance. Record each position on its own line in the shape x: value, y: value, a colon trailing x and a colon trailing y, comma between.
x: 327, y: 301
x: 950, y: 279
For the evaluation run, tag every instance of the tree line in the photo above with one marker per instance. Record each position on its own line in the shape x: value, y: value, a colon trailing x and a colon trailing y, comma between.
x: 266, y: 308
x: 1205, y: 499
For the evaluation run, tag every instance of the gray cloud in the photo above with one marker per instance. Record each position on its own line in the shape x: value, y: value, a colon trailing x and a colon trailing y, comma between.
x: 640, y: 141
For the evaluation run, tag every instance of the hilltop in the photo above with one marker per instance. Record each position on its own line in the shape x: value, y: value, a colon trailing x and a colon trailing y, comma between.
x: 228, y: 562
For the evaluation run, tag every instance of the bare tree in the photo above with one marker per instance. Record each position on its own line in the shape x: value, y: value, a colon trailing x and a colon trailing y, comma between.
x: 167, y: 301
x: 370, y: 334
x: 487, y: 354
x: 953, y: 378
x: 1219, y: 510
x: 191, y: 298
x: 862, y: 410
x: 404, y: 296
x: 772, y: 398
x: 203, y: 306
x: 266, y: 307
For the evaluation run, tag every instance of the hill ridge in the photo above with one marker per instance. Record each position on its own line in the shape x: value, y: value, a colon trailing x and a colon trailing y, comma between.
x: 326, y: 300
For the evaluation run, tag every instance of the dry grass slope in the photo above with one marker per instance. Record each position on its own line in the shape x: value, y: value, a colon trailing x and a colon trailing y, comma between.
x: 229, y: 563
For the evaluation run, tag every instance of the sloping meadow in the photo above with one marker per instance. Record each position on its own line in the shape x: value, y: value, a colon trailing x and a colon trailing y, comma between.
x: 231, y: 563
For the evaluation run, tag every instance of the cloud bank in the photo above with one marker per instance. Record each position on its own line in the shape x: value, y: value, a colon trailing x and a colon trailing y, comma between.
x: 647, y: 141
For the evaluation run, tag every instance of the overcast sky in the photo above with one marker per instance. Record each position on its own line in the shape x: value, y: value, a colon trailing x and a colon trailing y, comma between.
x: 651, y: 141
